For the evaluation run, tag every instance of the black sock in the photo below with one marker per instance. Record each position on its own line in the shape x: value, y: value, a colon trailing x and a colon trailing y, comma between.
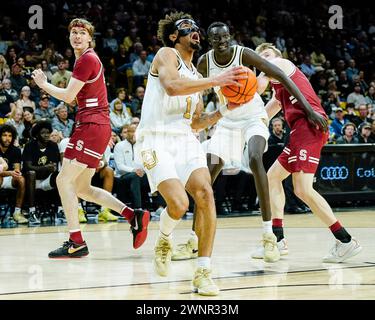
x: 278, y: 232
x: 342, y: 235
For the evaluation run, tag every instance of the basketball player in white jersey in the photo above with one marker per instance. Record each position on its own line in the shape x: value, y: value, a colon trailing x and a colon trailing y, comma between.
x: 171, y: 155
x: 248, y: 124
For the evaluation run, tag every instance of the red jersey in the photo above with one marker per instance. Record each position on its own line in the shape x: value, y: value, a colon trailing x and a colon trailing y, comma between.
x: 92, y: 99
x: 291, y: 107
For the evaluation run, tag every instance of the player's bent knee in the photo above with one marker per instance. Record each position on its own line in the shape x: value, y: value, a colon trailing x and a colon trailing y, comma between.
x: 177, y: 207
x: 204, y: 195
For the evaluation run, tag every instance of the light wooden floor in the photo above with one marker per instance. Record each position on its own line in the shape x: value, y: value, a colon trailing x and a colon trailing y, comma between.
x: 113, y: 270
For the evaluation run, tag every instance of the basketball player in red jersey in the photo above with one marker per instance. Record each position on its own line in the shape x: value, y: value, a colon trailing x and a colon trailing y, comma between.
x: 301, y: 156
x: 88, y: 142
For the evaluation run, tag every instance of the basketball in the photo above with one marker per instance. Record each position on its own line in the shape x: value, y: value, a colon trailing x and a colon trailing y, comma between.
x: 241, y: 95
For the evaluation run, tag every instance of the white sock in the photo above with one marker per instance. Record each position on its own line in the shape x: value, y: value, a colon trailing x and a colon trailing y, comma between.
x: 32, y: 210
x: 167, y: 224
x: 204, y: 262
x: 193, y: 235
x: 60, y: 208
x: 17, y: 210
x: 267, y: 226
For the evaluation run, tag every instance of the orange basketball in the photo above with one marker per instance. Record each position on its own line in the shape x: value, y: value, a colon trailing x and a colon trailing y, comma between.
x: 241, y: 95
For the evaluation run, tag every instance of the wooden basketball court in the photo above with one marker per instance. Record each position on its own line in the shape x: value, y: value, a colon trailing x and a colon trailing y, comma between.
x: 113, y: 270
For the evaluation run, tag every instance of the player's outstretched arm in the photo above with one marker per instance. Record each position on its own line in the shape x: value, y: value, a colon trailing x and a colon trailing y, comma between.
x: 66, y: 94
x: 263, y: 82
x: 276, y: 70
x: 166, y: 66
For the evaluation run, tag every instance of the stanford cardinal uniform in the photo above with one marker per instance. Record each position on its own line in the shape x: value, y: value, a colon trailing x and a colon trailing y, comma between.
x: 92, y: 129
x: 306, y: 142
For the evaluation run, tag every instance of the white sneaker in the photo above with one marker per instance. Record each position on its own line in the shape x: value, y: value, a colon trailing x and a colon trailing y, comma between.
x: 281, y: 245
x: 271, y: 251
x: 163, y: 255
x: 186, y: 251
x: 342, y: 251
x: 203, y: 284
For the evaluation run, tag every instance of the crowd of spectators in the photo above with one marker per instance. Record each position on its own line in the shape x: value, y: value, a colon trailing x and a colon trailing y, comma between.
x: 338, y: 62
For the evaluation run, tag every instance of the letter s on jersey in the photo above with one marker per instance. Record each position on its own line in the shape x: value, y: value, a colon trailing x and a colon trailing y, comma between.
x: 302, y: 155
x: 79, y: 145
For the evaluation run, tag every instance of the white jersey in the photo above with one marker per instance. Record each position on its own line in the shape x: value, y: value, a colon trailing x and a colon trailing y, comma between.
x: 165, y: 114
x: 254, y: 109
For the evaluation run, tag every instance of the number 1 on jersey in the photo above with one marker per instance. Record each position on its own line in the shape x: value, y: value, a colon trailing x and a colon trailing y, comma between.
x: 187, y: 114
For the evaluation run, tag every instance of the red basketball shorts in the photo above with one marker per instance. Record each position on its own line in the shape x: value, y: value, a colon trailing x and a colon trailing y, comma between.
x: 302, y: 153
x: 88, y: 143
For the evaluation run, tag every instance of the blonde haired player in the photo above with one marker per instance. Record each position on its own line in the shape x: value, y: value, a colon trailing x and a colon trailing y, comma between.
x: 87, y: 143
x: 300, y: 157
x: 172, y: 157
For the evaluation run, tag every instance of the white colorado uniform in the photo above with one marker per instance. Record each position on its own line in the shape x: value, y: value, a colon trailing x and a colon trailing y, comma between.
x: 166, y: 145
x: 234, y: 130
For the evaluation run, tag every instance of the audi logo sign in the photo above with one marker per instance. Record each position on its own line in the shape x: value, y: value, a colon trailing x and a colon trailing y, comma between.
x: 334, y: 173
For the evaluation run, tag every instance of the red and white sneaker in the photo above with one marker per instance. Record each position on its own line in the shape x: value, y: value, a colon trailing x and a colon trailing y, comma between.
x: 138, y: 227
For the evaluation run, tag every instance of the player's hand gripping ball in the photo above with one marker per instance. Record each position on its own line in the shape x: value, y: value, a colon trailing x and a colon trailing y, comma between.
x: 241, y: 95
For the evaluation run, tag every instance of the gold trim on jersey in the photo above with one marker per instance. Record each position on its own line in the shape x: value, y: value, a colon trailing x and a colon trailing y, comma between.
x: 229, y: 63
x: 241, y: 52
x: 208, y: 64
x: 154, y: 74
x: 149, y: 159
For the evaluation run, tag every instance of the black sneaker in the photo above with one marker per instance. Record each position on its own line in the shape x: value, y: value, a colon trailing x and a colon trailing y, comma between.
x: 139, y: 227
x: 70, y: 249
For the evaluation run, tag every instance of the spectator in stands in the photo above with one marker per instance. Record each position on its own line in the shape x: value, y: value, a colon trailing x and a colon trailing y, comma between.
x: 362, y: 115
x: 4, y: 68
x: 24, y: 100
x: 338, y: 123
x: 370, y: 97
x: 56, y: 136
x: 127, y: 170
x: 351, y: 70
x: 12, y: 178
x: 45, y: 110
x: 361, y: 79
x: 119, y: 117
x: 350, y: 112
x: 152, y: 53
x: 140, y: 68
x: 277, y: 136
x: 130, y: 39
x: 61, y: 122
x: 122, y: 95
x: 16, y: 120
x: 135, y: 121
x: 317, y: 57
x: 6, y: 105
x: 348, y: 134
x: 61, y: 74
x: 330, y: 105
x: 7, y: 85
x: 123, y: 132
x: 41, y: 160
x: 46, y: 70
x: 138, y: 48
x: 343, y: 85
x: 307, y: 68
x: 110, y: 41
x: 28, y: 122
x: 373, y: 130
x: 34, y: 91
x: 137, y: 101
x: 356, y: 96
x: 18, y: 81
x: 364, y: 134
x: 25, y: 70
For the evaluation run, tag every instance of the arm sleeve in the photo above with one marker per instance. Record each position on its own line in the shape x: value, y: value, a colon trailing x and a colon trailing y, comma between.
x: 86, y: 68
